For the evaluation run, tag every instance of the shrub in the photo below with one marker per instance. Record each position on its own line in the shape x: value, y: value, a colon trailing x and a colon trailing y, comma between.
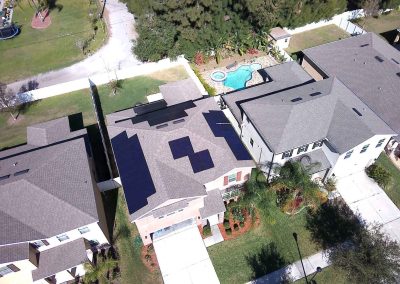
x: 330, y: 184
x: 207, y: 231
x: 210, y: 90
x: 227, y: 215
x: 241, y: 224
x: 147, y: 257
x: 228, y: 231
x: 237, y: 214
x: 198, y: 58
x: 379, y: 174
x: 226, y: 224
x: 236, y: 227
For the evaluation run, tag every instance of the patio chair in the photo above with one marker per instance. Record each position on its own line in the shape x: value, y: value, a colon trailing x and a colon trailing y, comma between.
x: 231, y: 65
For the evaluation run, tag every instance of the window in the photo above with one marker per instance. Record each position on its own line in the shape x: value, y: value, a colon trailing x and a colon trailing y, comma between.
x: 232, y: 177
x: 251, y: 142
x: 93, y: 243
x: 302, y: 149
x: 40, y: 243
x: 5, y: 270
x: 62, y: 237
x: 364, y: 148
x: 348, y: 154
x: 83, y: 230
x: 318, y: 144
x: 380, y: 143
x: 286, y: 39
x: 287, y: 154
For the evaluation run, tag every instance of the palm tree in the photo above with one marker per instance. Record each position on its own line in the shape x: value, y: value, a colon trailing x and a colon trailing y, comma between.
x: 294, y: 186
x: 99, y: 271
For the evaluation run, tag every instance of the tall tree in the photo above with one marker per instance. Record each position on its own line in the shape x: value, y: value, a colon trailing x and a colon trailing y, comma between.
x: 9, y: 101
x: 371, y: 257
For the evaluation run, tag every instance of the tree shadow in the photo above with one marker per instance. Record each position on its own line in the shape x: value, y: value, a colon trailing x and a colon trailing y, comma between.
x: 54, y: 5
x: 29, y: 86
x: 333, y: 223
x: 265, y: 261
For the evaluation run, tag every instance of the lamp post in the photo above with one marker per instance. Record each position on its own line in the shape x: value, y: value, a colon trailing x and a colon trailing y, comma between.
x: 319, y: 269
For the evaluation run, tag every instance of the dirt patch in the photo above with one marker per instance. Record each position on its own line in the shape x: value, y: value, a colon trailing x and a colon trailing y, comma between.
x: 149, y: 258
x: 11, y: 121
x: 248, y: 224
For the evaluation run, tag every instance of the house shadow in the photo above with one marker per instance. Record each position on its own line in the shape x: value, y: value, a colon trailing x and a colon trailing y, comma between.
x: 333, y: 223
x: 267, y: 260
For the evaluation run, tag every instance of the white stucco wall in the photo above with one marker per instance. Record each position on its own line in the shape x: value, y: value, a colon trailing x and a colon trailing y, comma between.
x: 359, y: 161
x: 219, y: 182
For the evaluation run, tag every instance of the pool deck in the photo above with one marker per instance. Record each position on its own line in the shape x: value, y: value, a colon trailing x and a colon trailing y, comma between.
x: 265, y: 61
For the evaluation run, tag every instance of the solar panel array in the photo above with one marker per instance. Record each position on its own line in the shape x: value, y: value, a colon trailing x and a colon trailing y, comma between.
x: 221, y: 127
x: 199, y: 161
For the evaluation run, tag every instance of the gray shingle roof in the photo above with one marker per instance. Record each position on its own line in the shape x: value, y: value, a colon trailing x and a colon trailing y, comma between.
x: 180, y: 91
x: 175, y: 178
x: 293, y: 118
x: 15, y: 252
x: 55, y: 195
x: 281, y: 76
x: 368, y: 66
x: 60, y: 258
x: 213, y: 204
x: 317, y: 160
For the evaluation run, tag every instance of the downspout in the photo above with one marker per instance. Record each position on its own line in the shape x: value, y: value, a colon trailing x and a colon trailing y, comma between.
x: 270, y: 168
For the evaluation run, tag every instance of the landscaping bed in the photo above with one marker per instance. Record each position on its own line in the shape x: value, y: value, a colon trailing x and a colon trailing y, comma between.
x: 393, y: 188
x: 237, y: 223
x: 149, y: 258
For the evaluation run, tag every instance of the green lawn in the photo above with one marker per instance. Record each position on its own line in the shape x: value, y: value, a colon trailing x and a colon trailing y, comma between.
x: 315, y: 37
x: 382, y: 24
x: 328, y: 275
x: 133, y: 91
x: 393, y: 190
x: 231, y: 258
x: 128, y: 244
x: 34, y: 51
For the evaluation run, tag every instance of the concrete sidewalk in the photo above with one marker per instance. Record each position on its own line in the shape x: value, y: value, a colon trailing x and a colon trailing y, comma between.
x: 294, y: 271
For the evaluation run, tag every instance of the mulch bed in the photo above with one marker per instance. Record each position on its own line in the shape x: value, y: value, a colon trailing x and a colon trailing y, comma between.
x: 248, y: 224
x: 149, y: 258
x: 37, y: 21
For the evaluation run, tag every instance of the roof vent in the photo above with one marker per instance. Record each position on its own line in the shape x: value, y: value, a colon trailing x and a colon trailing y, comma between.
x: 161, y: 125
x: 379, y: 58
x: 178, y: 121
x: 398, y: 74
x: 395, y: 61
x: 315, y: 94
x: 21, y: 172
x: 4, y: 177
x: 296, y: 99
x: 364, y: 45
x: 356, y: 111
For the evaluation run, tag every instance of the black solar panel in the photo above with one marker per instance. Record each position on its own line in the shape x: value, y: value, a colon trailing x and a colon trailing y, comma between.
x: 181, y: 147
x: 221, y: 127
x: 134, y: 172
x: 201, y: 161
x: 149, y: 107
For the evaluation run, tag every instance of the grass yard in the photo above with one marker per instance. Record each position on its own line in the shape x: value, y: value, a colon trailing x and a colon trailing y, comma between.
x: 328, y: 275
x: 36, y: 51
x: 393, y: 190
x: 133, y: 91
x: 315, y: 37
x: 128, y: 244
x: 232, y: 259
x: 382, y: 24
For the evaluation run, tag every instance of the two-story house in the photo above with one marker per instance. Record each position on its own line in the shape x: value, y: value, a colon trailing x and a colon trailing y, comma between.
x: 51, y: 211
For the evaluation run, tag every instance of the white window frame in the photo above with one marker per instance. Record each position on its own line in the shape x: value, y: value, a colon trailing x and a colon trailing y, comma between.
x: 380, y: 142
x: 84, y: 230
x: 364, y: 149
x: 62, y: 237
x: 348, y: 154
x: 287, y: 154
x: 5, y: 270
x: 302, y: 149
x: 231, y: 178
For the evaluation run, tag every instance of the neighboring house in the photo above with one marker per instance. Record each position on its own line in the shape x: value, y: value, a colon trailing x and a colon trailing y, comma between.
x: 51, y: 212
x: 322, y: 124
x: 177, y: 163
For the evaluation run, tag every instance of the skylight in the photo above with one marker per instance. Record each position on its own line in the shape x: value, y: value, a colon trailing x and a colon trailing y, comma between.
x: 379, y: 58
x: 357, y: 112
x: 296, y: 100
x: 398, y: 74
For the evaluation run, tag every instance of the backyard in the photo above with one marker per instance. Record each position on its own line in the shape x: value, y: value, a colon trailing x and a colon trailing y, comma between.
x: 381, y: 24
x: 132, y: 91
x: 35, y: 51
x: 315, y: 37
x: 393, y: 189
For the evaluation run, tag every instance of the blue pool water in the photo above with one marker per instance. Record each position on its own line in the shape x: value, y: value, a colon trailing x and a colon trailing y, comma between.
x: 237, y: 79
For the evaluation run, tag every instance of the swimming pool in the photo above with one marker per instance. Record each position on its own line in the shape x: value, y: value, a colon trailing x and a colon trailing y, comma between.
x: 237, y: 79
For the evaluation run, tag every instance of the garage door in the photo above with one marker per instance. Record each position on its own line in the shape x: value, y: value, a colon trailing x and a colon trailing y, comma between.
x: 182, y: 256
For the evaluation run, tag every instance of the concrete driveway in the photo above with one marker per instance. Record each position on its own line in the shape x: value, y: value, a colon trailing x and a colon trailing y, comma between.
x: 370, y: 201
x: 183, y: 257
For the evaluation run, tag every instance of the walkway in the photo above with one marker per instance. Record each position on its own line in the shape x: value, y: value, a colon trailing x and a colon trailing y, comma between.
x: 294, y: 271
x: 215, y: 238
x: 114, y: 55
